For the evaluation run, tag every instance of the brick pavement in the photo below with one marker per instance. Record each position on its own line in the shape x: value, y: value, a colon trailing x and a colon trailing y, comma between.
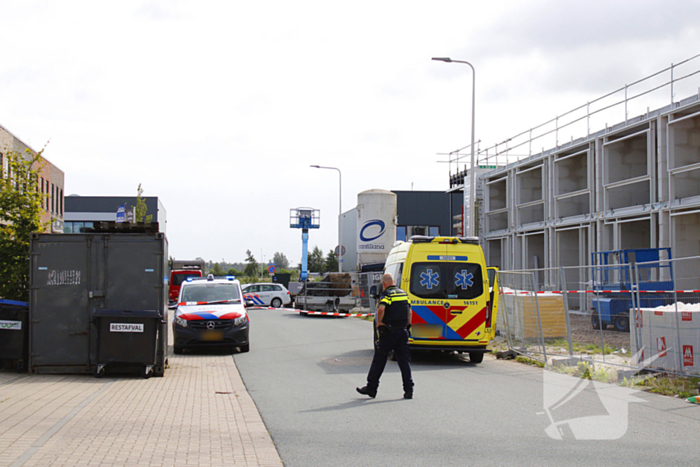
x: 198, y: 414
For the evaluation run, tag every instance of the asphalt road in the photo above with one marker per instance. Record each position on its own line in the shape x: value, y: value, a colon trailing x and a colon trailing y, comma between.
x: 302, y: 373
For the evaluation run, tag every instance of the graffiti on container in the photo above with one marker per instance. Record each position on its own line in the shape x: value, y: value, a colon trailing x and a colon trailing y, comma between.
x: 65, y: 277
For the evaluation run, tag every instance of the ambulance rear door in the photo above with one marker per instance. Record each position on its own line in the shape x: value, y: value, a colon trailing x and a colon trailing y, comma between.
x: 492, y: 311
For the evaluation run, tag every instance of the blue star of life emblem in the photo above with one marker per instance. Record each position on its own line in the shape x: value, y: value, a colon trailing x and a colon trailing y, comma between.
x: 463, y: 279
x: 429, y: 279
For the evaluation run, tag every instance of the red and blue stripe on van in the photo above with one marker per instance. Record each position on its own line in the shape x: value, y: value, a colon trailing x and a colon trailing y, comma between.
x: 456, y: 326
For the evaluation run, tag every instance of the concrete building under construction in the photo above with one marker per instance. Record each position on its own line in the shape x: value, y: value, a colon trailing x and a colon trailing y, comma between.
x: 635, y: 184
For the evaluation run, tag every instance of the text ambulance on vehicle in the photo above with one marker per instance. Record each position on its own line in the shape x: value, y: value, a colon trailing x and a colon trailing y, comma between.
x: 454, y: 296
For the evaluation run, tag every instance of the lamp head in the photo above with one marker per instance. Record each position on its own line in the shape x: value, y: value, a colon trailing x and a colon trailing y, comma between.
x: 315, y: 166
x: 442, y: 59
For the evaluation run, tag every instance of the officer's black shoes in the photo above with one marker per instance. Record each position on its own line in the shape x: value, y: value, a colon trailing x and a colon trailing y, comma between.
x: 365, y: 391
x: 408, y: 395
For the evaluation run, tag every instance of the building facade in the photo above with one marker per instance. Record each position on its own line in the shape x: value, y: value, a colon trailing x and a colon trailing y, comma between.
x: 83, y: 211
x: 632, y: 185
x: 51, y: 181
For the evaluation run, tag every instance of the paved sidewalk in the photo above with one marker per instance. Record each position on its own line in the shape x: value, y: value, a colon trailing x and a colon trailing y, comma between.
x: 198, y: 414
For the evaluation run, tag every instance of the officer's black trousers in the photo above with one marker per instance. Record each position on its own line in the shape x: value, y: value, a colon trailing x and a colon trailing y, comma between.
x: 396, y: 340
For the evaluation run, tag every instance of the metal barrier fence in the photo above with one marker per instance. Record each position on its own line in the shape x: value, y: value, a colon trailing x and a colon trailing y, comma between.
x: 365, y: 281
x: 519, y: 307
x: 635, y: 316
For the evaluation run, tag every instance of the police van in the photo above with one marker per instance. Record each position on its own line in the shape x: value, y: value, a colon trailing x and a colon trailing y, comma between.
x: 454, y: 296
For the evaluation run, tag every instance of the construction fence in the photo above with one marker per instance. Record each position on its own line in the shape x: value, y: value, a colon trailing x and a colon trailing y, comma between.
x: 634, y: 316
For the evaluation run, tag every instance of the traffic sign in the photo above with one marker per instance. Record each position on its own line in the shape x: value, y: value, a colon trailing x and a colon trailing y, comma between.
x: 336, y: 251
x: 271, y: 268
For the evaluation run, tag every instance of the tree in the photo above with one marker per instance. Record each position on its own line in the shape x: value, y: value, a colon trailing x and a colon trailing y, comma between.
x: 331, y: 261
x: 281, y: 261
x: 141, y: 208
x: 316, y: 263
x: 20, y: 214
x: 234, y: 272
x: 217, y: 270
x: 251, y: 267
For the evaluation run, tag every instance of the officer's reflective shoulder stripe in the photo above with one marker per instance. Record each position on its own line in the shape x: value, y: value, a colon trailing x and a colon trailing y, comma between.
x: 399, y: 298
x: 394, y: 295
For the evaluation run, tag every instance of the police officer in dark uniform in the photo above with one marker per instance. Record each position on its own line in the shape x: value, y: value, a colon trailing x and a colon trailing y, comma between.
x: 393, y: 324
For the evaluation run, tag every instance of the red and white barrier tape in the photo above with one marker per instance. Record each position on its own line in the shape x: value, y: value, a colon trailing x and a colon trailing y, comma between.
x: 330, y: 313
x: 600, y: 291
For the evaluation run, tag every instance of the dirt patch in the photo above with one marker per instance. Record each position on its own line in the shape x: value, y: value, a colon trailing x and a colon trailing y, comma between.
x: 582, y: 333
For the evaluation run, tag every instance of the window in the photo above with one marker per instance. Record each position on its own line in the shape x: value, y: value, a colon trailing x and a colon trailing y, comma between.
x: 404, y: 232
x: 277, y: 288
x: 453, y: 280
x: 396, y: 271
x: 209, y: 292
x: 67, y: 227
x: 401, y: 233
x: 267, y: 288
x: 178, y: 279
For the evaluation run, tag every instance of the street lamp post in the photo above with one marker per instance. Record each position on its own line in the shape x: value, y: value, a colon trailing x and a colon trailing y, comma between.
x: 472, y: 175
x: 340, y: 214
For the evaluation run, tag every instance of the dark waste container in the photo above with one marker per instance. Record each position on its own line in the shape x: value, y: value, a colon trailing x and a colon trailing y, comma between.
x: 127, y: 337
x: 282, y: 278
x: 14, y: 329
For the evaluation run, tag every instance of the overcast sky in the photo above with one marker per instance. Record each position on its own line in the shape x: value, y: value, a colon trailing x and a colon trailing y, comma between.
x: 219, y: 107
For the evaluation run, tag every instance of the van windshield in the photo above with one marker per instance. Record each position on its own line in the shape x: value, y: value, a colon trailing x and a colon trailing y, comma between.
x: 205, y: 292
x: 447, y: 280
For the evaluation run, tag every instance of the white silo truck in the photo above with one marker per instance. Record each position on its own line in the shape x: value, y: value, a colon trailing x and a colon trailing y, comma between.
x: 376, y: 226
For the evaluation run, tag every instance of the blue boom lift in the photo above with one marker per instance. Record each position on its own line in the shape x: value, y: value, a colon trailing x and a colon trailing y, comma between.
x: 611, y: 273
x: 304, y: 219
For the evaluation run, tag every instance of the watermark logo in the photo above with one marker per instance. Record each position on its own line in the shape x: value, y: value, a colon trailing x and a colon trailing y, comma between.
x: 583, y: 409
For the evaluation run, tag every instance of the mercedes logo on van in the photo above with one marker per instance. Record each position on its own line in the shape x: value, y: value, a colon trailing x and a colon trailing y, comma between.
x: 376, y: 222
x: 211, y: 324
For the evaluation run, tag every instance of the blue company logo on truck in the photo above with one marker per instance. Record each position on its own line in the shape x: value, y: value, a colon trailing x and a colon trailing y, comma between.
x: 368, y: 233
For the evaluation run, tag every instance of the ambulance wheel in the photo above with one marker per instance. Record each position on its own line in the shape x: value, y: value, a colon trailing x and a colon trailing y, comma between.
x: 476, y: 357
x: 276, y: 303
x: 622, y: 323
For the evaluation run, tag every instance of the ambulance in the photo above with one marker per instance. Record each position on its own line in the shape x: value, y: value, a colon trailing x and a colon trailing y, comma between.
x: 454, y: 296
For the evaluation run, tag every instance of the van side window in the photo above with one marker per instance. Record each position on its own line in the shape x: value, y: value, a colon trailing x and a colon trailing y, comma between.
x: 393, y: 269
